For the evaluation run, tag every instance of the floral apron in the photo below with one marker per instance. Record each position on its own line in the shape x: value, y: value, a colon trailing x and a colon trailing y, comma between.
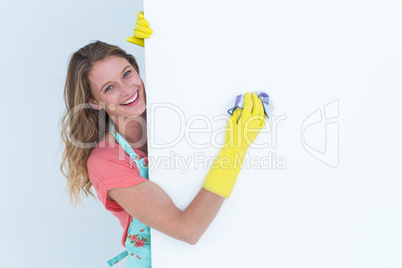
x: 138, y: 241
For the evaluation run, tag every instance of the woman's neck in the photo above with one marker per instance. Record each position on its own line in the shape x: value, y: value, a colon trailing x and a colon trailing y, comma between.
x: 134, y: 130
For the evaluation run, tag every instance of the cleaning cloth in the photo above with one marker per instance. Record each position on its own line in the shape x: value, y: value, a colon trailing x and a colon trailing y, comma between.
x: 239, y: 102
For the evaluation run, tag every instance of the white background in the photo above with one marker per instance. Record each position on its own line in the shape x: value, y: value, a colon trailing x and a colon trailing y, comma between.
x: 37, y: 226
x: 305, y: 55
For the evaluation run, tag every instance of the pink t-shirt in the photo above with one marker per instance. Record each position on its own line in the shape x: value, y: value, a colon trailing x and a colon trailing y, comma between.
x: 109, y: 167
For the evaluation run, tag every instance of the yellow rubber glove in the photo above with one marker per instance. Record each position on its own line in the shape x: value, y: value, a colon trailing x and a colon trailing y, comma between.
x: 141, y: 30
x: 242, y: 129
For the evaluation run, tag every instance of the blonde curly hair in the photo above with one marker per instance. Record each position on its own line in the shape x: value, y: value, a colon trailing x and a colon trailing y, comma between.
x: 82, y: 127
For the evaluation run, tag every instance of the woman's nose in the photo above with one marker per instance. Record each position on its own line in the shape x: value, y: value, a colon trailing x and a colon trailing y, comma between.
x: 125, y: 88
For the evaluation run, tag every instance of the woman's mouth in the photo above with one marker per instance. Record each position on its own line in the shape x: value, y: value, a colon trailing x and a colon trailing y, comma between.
x: 133, y: 100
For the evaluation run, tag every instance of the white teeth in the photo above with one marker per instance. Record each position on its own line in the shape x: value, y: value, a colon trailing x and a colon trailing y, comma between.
x: 132, y: 99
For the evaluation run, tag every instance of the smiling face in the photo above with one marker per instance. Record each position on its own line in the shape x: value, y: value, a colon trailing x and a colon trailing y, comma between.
x: 117, y: 87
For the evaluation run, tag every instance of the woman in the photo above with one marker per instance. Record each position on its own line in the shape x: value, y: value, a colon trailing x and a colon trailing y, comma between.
x: 106, y: 148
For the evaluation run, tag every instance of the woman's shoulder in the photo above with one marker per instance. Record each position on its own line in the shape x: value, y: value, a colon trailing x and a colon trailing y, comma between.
x: 102, y: 153
x: 108, y: 160
x: 106, y: 152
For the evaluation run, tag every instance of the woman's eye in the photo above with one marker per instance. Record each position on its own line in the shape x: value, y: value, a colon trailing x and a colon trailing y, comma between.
x: 108, y: 88
x: 126, y: 73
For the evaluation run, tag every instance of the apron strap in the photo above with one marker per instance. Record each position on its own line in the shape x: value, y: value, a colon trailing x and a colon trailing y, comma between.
x: 118, y: 258
x: 123, y: 143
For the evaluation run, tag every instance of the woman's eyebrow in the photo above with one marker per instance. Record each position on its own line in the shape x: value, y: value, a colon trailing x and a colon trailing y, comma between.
x: 128, y: 66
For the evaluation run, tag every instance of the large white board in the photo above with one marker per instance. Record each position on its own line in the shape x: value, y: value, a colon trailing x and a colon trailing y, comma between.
x: 326, y: 190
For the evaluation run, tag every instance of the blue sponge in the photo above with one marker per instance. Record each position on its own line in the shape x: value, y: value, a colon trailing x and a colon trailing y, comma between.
x: 239, y: 102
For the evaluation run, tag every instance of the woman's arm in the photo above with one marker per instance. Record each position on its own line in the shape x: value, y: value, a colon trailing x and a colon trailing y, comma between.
x: 151, y: 205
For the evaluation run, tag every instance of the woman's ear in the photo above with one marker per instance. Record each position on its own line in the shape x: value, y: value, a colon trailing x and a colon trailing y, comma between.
x: 94, y: 104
